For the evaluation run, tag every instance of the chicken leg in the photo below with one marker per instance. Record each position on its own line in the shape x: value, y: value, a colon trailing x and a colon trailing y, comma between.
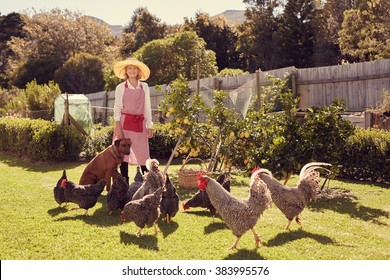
x: 234, y: 246
x: 139, y: 232
x: 297, y: 219
x: 257, y: 238
x: 156, y: 231
x: 288, y: 225
x: 168, y: 219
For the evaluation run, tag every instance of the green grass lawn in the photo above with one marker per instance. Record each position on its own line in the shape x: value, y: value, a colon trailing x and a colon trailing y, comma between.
x: 33, y: 226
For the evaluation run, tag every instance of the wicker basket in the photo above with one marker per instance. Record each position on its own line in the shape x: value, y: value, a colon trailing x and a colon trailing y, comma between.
x: 188, y: 177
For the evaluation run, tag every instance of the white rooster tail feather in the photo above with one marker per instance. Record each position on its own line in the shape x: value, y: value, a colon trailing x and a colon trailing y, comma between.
x: 309, y: 167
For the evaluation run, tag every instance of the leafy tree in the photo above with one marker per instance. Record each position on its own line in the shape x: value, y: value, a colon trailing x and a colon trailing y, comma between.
x: 365, y: 33
x: 259, y: 39
x: 219, y: 36
x: 82, y: 73
x: 142, y: 28
x: 298, y: 33
x: 177, y: 56
x: 11, y: 25
x: 58, y: 34
x: 231, y: 72
x: 39, y: 69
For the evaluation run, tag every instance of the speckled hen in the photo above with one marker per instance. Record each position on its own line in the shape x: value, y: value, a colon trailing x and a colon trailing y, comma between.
x: 240, y: 215
x: 144, y: 211
x: 292, y: 200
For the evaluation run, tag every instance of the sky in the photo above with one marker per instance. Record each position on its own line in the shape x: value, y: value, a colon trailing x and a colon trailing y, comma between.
x: 119, y: 12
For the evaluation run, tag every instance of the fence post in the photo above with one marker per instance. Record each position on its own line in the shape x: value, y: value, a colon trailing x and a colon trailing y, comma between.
x: 258, y: 89
x: 217, y: 83
x: 293, y: 84
x: 105, y: 105
x: 66, y: 119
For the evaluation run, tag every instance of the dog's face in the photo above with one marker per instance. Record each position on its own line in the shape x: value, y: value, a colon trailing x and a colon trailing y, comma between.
x: 123, y: 145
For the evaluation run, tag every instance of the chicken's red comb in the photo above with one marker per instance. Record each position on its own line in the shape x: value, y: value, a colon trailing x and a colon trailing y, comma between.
x: 202, y: 181
x: 255, y: 169
x: 63, y: 183
x: 122, y: 217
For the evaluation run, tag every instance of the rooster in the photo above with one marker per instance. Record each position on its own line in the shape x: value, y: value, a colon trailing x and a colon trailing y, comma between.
x: 170, y: 201
x: 292, y: 201
x: 240, y: 215
x: 117, y: 196
x: 138, y: 180
x: 59, y: 192
x: 153, y: 180
x: 85, y: 196
x: 201, y: 199
x: 144, y: 211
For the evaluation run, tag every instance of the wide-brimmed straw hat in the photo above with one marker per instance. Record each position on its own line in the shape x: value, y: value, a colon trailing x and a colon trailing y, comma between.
x: 120, y: 68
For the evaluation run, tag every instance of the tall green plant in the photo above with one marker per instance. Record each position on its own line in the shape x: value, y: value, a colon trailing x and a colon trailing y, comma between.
x: 325, y: 133
x: 183, y: 112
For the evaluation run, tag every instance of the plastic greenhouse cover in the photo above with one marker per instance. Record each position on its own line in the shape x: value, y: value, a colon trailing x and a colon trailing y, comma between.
x: 79, y: 109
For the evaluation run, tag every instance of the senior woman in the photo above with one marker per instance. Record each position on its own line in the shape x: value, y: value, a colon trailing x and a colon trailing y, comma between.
x: 133, y: 112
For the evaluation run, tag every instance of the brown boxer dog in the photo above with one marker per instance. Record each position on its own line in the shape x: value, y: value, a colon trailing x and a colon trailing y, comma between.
x: 102, y: 166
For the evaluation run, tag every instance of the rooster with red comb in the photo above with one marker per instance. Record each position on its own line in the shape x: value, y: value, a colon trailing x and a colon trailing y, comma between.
x: 240, y: 215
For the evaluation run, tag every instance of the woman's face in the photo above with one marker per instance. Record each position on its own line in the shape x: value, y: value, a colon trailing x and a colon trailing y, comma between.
x: 132, y: 71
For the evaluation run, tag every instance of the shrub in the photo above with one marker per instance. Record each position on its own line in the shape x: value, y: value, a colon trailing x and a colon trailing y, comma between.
x: 325, y: 133
x: 99, y: 140
x: 366, y: 156
x: 40, y: 139
x: 162, y: 143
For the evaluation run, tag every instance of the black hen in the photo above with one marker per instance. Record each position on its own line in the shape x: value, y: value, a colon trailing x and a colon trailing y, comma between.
x: 59, y: 192
x: 201, y: 199
x: 170, y: 201
x: 85, y: 196
x: 117, y: 196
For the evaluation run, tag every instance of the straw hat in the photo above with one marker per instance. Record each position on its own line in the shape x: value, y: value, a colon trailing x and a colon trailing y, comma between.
x: 120, y: 68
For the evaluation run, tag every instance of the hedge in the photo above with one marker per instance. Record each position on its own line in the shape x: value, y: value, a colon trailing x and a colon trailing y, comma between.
x: 40, y: 140
x: 365, y: 156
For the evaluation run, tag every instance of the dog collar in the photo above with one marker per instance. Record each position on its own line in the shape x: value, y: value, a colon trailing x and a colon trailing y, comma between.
x: 116, y: 154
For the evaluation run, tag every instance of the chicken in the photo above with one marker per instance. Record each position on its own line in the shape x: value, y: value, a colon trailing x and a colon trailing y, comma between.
x: 59, y: 192
x: 170, y: 201
x: 201, y: 199
x: 292, y: 201
x: 117, y: 196
x: 153, y: 180
x: 85, y: 196
x: 138, y: 180
x: 144, y: 211
x: 240, y: 215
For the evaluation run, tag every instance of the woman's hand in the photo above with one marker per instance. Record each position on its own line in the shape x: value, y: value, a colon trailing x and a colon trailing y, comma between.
x: 149, y: 132
x: 118, y: 131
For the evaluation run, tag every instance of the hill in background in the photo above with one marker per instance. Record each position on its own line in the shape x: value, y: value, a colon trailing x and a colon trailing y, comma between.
x: 232, y: 16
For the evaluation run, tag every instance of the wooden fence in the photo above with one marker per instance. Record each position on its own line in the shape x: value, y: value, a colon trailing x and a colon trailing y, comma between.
x: 360, y: 86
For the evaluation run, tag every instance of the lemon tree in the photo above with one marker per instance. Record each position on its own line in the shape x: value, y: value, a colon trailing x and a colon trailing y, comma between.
x: 183, y: 111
